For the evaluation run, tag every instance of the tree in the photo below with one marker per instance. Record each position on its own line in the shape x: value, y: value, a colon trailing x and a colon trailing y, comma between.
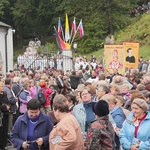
x: 3, y: 4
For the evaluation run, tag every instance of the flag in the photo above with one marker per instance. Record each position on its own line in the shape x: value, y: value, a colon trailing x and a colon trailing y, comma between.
x: 80, y: 27
x: 67, y: 36
x: 59, y: 27
x: 60, y: 43
x: 74, y: 26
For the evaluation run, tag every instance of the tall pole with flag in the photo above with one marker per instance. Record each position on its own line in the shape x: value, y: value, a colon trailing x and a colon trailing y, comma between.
x: 60, y: 29
x: 67, y: 35
x: 73, y: 29
x: 81, y: 31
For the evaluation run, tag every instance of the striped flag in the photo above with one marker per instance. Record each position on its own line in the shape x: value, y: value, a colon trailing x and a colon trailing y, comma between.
x: 59, y: 27
x: 67, y: 35
x: 80, y: 27
x: 74, y: 29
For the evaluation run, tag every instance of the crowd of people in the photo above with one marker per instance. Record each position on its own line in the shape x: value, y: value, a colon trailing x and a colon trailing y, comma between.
x: 140, y: 9
x: 88, y: 108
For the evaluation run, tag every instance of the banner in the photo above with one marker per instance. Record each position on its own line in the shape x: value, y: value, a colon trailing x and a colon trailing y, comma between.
x: 113, y: 55
x: 131, y: 54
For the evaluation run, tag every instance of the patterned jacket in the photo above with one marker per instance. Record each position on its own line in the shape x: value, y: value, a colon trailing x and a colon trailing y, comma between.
x: 101, y: 135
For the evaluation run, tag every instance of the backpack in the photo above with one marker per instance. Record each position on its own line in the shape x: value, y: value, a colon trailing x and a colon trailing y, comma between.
x: 41, y: 96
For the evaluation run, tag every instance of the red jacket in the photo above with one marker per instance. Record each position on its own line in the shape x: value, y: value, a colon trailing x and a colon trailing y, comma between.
x: 47, y: 94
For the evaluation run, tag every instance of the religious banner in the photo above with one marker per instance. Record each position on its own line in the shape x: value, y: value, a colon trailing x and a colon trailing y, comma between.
x: 114, y: 58
x: 131, y: 54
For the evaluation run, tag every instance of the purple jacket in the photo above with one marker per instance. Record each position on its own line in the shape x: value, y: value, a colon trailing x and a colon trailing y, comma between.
x: 24, y: 98
x: 20, y: 130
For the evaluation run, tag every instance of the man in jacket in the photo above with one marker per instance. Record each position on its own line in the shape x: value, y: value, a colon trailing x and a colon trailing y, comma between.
x: 12, y: 100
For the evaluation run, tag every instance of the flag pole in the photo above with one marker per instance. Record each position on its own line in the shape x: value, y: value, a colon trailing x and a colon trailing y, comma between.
x: 70, y: 36
x: 63, y: 34
x: 71, y: 31
x: 75, y: 34
x: 62, y: 30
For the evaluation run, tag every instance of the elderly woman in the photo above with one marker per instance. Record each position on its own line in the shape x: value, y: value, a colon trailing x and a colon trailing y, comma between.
x: 24, y: 98
x: 83, y: 112
x: 135, y: 134
x: 67, y: 133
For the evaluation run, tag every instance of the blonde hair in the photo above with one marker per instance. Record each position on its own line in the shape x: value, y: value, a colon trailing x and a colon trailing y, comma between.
x: 109, y: 99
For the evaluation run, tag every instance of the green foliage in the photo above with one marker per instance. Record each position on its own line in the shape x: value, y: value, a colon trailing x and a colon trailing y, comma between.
x: 100, y: 18
x: 138, y: 31
x: 48, y: 48
x: 3, y: 4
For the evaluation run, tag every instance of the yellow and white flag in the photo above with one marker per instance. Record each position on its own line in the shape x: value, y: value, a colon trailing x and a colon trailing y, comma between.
x: 67, y: 35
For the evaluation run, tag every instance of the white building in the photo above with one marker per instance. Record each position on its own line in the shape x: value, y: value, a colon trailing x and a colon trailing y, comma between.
x: 6, y: 47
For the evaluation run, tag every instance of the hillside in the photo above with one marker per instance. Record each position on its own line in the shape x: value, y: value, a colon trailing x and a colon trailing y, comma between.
x: 138, y: 31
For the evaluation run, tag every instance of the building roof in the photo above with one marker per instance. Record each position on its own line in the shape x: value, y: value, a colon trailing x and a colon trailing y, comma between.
x: 4, y: 25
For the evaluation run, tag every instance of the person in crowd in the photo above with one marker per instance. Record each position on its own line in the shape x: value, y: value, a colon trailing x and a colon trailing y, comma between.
x: 93, y: 78
x: 83, y: 111
x: 121, y: 102
x: 101, y: 91
x: 134, y: 94
x: 117, y: 114
x: 74, y: 80
x: 47, y: 92
x: 125, y: 92
x: 15, y: 86
x: 114, y: 90
x: 67, y: 133
x: 67, y: 87
x: 101, y: 133
x: 16, y: 89
x: 33, y: 89
x: 93, y: 90
x: 24, y: 98
x: 146, y: 82
x: 120, y: 80
x: 4, y: 114
x: 146, y: 94
x: 71, y: 101
x: 78, y: 91
x: 13, y: 102
x: 32, y: 129
x: 135, y: 134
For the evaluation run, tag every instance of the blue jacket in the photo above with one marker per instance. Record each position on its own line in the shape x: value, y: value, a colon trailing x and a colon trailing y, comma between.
x: 20, y: 130
x: 127, y: 133
x: 118, y: 116
x: 24, y: 94
x: 80, y: 114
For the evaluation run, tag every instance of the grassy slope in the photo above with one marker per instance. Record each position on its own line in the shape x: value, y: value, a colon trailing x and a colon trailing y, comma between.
x: 140, y: 31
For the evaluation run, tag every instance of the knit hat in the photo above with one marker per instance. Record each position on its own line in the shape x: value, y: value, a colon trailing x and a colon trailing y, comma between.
x: 100, y: 108
x: 141, y: 103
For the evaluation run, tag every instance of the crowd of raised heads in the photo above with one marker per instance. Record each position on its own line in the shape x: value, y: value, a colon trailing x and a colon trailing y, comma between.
x: 109, y: 110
